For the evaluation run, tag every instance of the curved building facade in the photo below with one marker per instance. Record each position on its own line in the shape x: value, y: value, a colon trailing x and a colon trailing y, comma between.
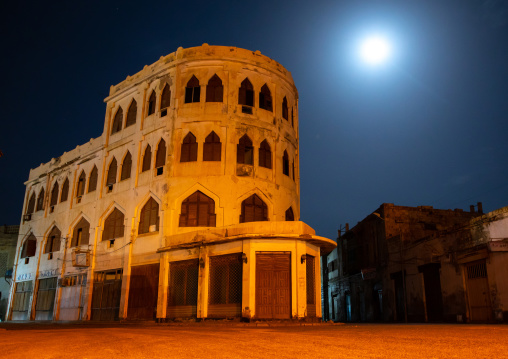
x: 188, y: 205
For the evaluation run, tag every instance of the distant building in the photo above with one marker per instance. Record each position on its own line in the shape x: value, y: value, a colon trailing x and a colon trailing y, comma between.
x: 8, y: 241
x: 186, y: 206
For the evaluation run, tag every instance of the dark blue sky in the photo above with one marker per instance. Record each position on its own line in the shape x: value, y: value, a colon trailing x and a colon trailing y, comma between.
x: 429, y: 128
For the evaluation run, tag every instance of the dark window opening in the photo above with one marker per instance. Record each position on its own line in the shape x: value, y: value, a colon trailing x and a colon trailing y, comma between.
x: 29, y: 247
x: 285, y: 108
x: 165, y: 98
x: 92, y: 181
x: 198, y: 210
x: 290, y: 216
x: 81, y: 233
x: 265, y: 98
x: 212, y: 148
x: 245, y: 151
x: 189, y: 149
x: 53, y: 241
x: 81, y: 184
x: 31, y: 204
x: 147, y: 159
x: 254, y: 210
x: 151, y: 104
x: 149, y: 217
x: 246, y: 94
x: 54, y: 195
x: 131, y: 114
x: 160, y: 155
x: 126, y: 167
x: 111, y: 179
x: 40, y: 201
x: 65, y: 191
x: 214, y: 89
x: 285, y: 164
x: 265, y: 155
x: 113, y: 226
x: 117, y: 121
x: 192, y: 91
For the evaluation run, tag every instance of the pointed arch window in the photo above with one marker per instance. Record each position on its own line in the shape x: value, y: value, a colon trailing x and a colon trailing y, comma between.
x: 92, y: 181
x: 290, y: 216
x: 65, y: 191
x: 198, y: 210
x: 40, y: 201
x: 189, y: 149
x: 151, y: 103
x: 80, y: 190
x: 81, y: 233
x: 54, y: 195
x: 126, y: 167
x: 265, y: 155
x: 113, y: 226
x: 160, y: 156
x: 293, y: 169
x: 31, y: 204
x: 117, y: 121
x: 265, y: 98
x: 165, y: 97
x: 285, y: 108
x: 285, y: 163
x: 29, y: 247
x: 147, y: 159
x: 212, y: 148
x: 112, y: 172
x: 149, y: 217
x: 131, y: 114
x: 254, y: 210
x: 246, y: 93
x: 53, y: 241
x: 192, y: 91
x: 214, y: 89
x: 245, y: 151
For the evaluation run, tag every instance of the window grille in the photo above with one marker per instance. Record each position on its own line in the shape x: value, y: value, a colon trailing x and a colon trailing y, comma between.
x: 246, y: 93
x: 265, y: 155
x: 126, y: 167
x: 253, y: 210
x: 477, y: 270
x: 214, y: 89
x: 265, y: 98
x: 81, y: 233
x: 53, y: 241
x: 192, y: 91
x: 183, y: 283
x: 112, y: 172
x: 151, y: 104
x: 149, y: 216
x: 117, y: 121
x: 113, y: 226
x: 131, y: 114
x: 147, y: 159
x: 245, y: 151
x: 165, y: 97
x: 225, y: 285
x: 212, y: 148
x: 92, y: 181
x: 189, y: 151
x: 198, y: 210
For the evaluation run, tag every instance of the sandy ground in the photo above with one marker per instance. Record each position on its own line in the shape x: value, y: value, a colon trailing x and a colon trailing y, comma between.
x: 238, y: 340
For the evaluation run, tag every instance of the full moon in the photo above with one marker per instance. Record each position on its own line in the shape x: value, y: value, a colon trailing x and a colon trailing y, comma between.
x: 375, y: 50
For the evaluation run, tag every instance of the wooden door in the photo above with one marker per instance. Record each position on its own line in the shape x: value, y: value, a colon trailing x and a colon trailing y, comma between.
x: 144, y: 287
x: 478, y: 292
x: 273, y: 285
x: 107, y: 290
x: 45, y: 299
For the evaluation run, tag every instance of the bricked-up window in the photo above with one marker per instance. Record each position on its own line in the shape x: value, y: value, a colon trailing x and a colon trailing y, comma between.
x: 117, y: 121
x: 212, y: 148
x: 92, y: 181
x: 151, y: 104
x: 254, y: 210
x: 198, y: 210
x: 285, y: 163
x: 29, y: 247
x: 183, y: 283
x: 112, y: 172
x: 149, y: 216
x: 53, y: 241
x: 214, y: 89
x: 165, y: 97
x: 65, y: 191
x: 246, y: 93
x: 265, y: 155
x: 225, y: 285
x: 131, y: 114
x: 192, y: 91
x: 285, y: 108
x: 189, y: 149
x: 290, y: 216
x: 81, y: 233
x: 245, y: 151
x: 40, y: 201
x: 54, y: 195
x: 31, y: 204
x: 311, y: 286
x: 265, y: 98
x: 147, y: 159
x: 160, y: 155
x: 126, y: 167
x: 80, y: 190
x: 113, y: 226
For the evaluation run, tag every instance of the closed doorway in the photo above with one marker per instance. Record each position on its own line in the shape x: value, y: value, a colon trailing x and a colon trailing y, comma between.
x: 478, y: 292
x: 225, y: 286
x: 45, y: 299
x: 21, y: 302
x: 143, y: 290
x: 73, y: 297
x: 273, y: 285
x: 107, y: 290
x: 183, y: 289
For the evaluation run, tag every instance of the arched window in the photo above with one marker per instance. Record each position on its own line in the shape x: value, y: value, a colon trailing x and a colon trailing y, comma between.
x: 165, y: 97
x: 65, y: 191
x: 54, y: 195
x: 265, y: 98
x: 81, y: 233
x: 160, y: 157
x: 254, y: 210
x: 147, y: 159
x: 149, y: 217
x: 81, y: 184
x: 31, y: 204
x: 92, y: 181
x: 126, y: 167
x: 265, y: 155
x: 40, y: 200
x: 245, y: 151
x: 113, y: 226
x: 151, y: 103
x: 290, y: 216
x: 285, y: 163
x: 293, y: 167
x: 192, y: 91
x: 131, y: 114
x: 189, y: 149
x: 246, y: 93
x: 29, y: 247
x: 53, y: 241
x: 212, y: 148
x: 214, y: 89
x: 117, y: 121
x: 112, y: 172
x: 285, y: 108
x: 198, y: 210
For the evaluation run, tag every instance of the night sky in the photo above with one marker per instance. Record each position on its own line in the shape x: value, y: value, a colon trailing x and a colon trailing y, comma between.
x: 428, y: 127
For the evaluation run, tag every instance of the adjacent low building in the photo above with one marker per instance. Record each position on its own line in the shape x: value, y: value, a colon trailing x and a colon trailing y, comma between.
x: 8, y: 241
x: 187, y: 205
